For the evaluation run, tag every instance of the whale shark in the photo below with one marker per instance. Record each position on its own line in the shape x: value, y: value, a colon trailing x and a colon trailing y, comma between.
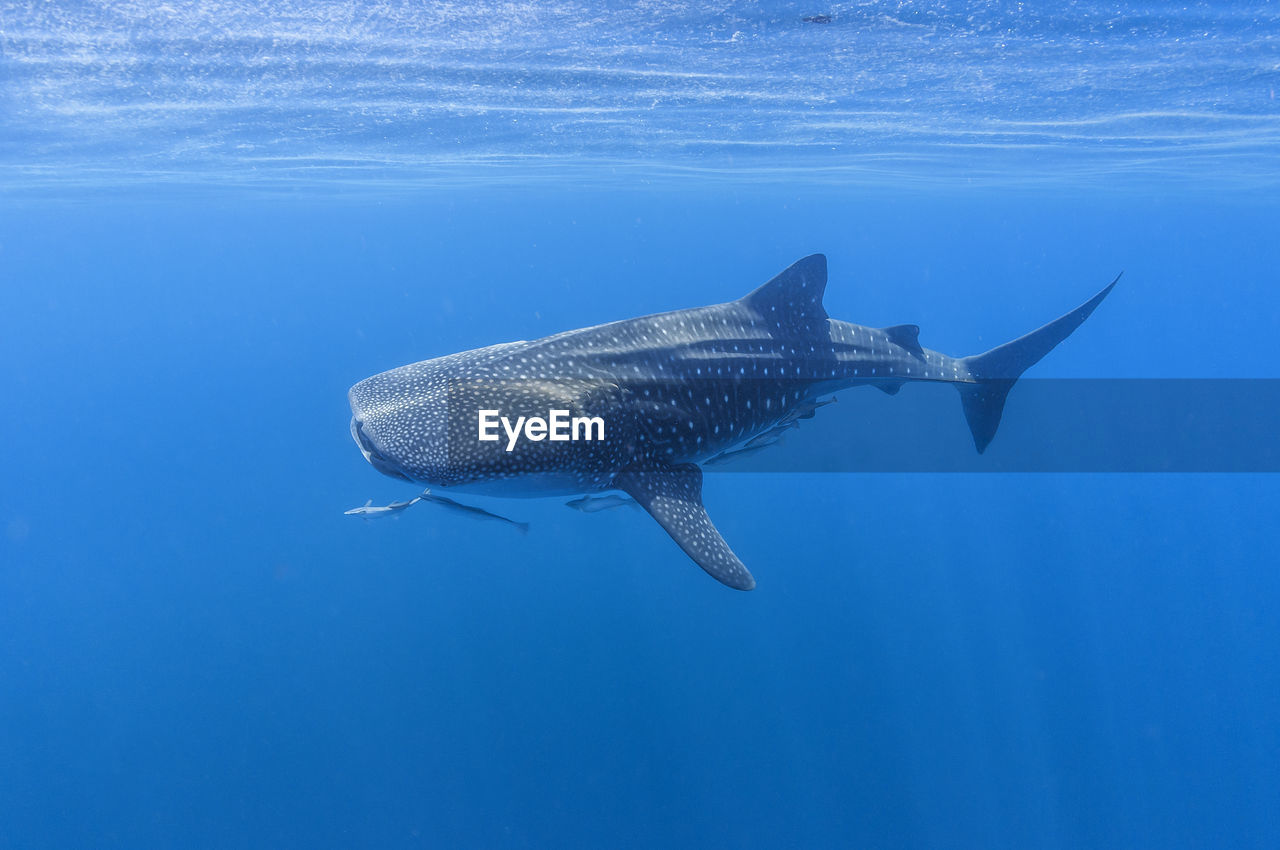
x: 659, y: 396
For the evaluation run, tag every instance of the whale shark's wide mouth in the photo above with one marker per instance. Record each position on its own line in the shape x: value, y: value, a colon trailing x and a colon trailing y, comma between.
x: 370, y: 451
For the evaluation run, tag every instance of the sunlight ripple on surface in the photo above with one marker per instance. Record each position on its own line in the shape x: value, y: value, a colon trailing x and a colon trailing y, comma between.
x: 252, y: 92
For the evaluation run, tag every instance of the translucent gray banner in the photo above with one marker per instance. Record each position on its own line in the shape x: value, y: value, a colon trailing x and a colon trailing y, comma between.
x: 1137, y: 425
x: 1048, y: 426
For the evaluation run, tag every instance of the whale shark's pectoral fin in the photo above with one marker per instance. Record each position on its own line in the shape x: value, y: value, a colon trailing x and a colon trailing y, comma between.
x: 673, y: 496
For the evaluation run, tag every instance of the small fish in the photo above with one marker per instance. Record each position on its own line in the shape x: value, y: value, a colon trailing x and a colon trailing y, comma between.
x: 746, y: 451
x: 595, y: 504
x: 368, y: 510
x: 477, y: 513
x: 808, y: 409
x: 771, y: 437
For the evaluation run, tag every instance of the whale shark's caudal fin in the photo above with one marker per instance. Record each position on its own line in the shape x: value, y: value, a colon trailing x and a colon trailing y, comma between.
x: 998, y: 369
x: 673, y: 496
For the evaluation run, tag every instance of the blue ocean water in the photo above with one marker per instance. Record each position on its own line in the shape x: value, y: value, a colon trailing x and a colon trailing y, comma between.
x: 215, y: 218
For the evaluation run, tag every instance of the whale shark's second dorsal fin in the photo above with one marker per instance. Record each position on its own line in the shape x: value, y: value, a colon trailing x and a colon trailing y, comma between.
x: 793, y: 299
x: 673, y: 496
x: 905, y: 336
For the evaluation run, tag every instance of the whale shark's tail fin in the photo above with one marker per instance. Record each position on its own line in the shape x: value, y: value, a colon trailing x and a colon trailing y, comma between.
x: 996, y: 371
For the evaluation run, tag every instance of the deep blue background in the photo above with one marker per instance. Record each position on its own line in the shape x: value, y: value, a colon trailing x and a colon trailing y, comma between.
x: 198, y: 650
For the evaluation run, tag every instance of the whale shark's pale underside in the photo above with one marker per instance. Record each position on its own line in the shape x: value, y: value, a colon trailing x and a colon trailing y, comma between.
x: 674, y: 390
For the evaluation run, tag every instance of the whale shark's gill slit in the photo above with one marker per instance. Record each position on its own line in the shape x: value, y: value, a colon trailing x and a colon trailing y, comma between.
x: 363, y: 439
x: 377, y: 459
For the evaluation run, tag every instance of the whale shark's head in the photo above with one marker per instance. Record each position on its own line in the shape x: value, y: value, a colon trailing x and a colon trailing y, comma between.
x: 488, y: 415
x: 399, y: 419
x: 419, y: 422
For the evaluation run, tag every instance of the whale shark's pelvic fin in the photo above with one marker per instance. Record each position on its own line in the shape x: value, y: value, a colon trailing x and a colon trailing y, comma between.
x: 793, y: 299
x: 673, y: 496
x: 998, y: 369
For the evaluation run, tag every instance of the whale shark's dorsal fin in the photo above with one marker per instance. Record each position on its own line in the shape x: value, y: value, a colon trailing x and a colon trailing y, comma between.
x: 673, y: 496
x: 794, y: 297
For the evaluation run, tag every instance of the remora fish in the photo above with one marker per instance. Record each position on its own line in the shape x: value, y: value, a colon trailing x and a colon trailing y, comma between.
x: 673, y: 390
x: 369, y: 509
x: 472, y: 511
x: 595, y: 504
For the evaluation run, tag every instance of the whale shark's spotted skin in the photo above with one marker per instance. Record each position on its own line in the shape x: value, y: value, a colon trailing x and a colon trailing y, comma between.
x: 673, y: 389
